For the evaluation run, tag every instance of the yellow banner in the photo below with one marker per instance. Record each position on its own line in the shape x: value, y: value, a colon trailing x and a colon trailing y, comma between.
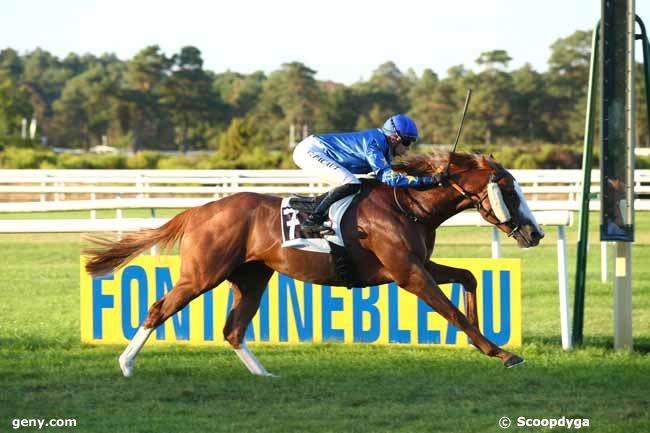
x: 291, y: 311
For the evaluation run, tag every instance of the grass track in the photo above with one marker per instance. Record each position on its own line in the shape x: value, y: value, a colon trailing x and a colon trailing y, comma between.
x: 46, y: 373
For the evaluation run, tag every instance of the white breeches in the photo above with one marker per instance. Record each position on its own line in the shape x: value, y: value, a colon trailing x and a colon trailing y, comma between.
x: 310, y: 156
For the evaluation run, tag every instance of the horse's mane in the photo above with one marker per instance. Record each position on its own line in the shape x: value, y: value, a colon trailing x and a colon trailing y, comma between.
x: 432, y: 163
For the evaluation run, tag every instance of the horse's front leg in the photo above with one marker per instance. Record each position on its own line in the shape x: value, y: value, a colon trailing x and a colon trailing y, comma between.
x: 446, y: 274
x: 412, y: 275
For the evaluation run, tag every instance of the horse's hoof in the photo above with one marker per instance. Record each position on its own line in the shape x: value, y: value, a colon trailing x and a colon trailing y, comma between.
x: 126, y: 365
x: 513, y: 361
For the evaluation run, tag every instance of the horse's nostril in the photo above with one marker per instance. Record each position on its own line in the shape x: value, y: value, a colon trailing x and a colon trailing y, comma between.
x: 536, y: 236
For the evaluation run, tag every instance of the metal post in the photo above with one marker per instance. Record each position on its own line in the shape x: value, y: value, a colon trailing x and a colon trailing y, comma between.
x: 587, y: 155
x: 563, y: 284
x: 617, y: 155
x: 623, y: 296
x: 645, y: 46
x: 623, y: 273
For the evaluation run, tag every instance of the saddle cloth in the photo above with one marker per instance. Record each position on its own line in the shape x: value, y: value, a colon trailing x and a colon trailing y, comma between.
x: 292, y: 220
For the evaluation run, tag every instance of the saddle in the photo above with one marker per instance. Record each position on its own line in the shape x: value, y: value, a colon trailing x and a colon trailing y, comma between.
x: 295, y: 210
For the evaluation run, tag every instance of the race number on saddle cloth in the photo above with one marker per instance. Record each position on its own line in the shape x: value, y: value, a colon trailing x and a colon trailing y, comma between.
x: 293, y: 216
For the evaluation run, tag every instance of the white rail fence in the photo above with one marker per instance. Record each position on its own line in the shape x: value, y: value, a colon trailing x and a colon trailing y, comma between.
x: 54, y: 185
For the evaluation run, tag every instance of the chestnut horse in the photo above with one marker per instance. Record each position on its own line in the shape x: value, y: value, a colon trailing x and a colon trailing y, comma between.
x: 389, y: 234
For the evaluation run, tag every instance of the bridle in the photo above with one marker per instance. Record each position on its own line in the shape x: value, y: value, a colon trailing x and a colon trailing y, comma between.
x: 476, y: 199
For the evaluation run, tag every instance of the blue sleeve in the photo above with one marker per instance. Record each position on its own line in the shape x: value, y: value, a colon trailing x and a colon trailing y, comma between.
x: 387, y: 175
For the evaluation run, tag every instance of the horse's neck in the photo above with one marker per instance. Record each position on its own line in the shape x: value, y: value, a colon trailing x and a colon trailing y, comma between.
x: 441, y: 203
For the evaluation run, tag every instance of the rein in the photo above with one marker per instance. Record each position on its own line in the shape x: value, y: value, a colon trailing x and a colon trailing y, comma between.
x: 478, y: 203
x: 408, y: 214
x: 474, y: 198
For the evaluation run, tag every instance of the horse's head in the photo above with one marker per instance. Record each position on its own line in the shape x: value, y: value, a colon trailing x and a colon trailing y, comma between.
x: 499, y: 199
x: 484, y: 184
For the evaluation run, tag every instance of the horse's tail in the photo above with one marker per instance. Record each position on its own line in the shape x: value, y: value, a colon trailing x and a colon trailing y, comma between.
x: 112, y: 255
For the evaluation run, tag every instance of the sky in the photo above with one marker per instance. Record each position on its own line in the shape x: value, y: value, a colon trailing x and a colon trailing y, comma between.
x: 343, y: 40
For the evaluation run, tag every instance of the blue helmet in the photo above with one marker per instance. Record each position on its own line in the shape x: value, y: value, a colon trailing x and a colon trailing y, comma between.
x: 402, y: 126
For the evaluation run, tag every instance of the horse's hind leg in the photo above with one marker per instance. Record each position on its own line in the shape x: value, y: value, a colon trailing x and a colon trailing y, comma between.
x: 194, y: 280
x: 248, y: 283
x: 182, y: 293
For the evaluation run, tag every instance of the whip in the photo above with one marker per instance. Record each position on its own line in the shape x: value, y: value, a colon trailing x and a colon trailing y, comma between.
x: 460, y: 128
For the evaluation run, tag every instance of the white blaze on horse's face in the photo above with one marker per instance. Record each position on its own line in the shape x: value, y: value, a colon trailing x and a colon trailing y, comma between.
x: 497, y: 203
x: 513, y: 216
x: 524, y: 210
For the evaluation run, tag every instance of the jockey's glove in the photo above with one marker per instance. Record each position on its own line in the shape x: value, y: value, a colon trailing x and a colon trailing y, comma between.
x: 434, y: 181
x: 437, y: 179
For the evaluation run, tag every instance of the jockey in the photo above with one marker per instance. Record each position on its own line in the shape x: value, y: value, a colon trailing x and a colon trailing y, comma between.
x: 335, y: 157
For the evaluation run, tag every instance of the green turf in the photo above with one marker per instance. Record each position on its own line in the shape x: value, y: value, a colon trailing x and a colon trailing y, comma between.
x: 46, y: 373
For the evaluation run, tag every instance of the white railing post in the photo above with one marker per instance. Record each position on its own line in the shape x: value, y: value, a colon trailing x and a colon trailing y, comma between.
x: 42, y: 195
x: 496, y: 243
x: 603, y: 262
x: 563, y: 284
x: 119, y: 215
x: 139, y: 185
x: 154, y: 249
x: 93, y: 212
x: 57, y: 195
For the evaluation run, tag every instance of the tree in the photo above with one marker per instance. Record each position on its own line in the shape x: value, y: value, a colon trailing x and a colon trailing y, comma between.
x: 423, y: 109
x: 11, y: 65
x: 290, y: 95
x: 384, y: 94
x: 140, y: 110
x: 14, y: 97
x: 340, y: 108
x: 492, y: 98
x: 85, y: 110
x: 493, y: 59
x: 241, y: 92
x: 530, y: 120
x: 189, y: 99
x: 44, y: 76
x: 14, y: 106
x: 240, y: 138
x: 567, y: 80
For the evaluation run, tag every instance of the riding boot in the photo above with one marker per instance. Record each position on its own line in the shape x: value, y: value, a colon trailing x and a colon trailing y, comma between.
x: 314, y: 223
